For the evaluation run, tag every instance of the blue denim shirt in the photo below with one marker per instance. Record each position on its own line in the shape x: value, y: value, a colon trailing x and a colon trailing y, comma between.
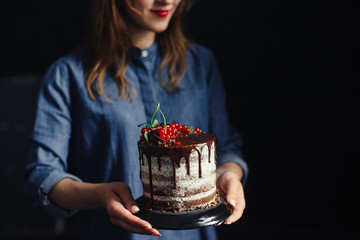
x: 100, y: 137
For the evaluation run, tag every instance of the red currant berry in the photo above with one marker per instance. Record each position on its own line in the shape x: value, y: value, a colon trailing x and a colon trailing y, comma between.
x: 177, y: 143
x: 164, y: 143
x: 168, y: 129
x: 148, y: 130
x: 186, y: 130
x: 162, y: 136
x: 196, y: 129
x: 176, y: 124
x: 173, y: 125
x: 167, y: 136
x: 143, y: 130
x: 161, y: 131
x: 180, y: 127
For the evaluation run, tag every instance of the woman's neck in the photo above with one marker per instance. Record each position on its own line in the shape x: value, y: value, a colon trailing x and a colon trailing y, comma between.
x: 143, y: 40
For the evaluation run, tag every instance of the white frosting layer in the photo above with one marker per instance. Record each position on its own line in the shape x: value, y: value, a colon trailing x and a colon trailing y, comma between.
x: 181, y: 199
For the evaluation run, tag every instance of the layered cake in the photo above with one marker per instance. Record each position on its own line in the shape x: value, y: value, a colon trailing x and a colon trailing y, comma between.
x: 177, y: 167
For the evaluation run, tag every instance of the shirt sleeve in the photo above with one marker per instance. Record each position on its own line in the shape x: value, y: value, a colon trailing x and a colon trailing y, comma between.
x: 47, y: 160
x: 228, y: 139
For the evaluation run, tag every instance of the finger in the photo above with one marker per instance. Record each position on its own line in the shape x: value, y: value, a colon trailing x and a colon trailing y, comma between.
x: 237, y: 212
x: 233, y: 190
x: 235, y: 198
x: 219, y: 223
x: 134, y: 229
x: 117, y: 211
x: 128, y: 200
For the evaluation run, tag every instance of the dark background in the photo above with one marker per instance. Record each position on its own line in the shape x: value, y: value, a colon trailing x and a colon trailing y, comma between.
x: 289, y: 68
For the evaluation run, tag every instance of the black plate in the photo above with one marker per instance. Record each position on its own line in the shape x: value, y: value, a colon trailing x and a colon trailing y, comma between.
x: 185, y: 219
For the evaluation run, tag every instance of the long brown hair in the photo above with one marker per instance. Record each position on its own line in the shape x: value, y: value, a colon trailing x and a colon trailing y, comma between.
x: 110, y: 40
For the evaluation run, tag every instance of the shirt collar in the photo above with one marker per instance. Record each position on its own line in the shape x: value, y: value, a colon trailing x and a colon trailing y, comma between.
x: 147, y: 53
x: 146, y: 56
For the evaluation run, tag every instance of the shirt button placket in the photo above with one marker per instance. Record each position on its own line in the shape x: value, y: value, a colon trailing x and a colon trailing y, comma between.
x: 146, y: 86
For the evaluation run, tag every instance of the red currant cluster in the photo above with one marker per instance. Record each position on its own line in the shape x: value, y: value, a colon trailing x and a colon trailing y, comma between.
x: 167, y: 134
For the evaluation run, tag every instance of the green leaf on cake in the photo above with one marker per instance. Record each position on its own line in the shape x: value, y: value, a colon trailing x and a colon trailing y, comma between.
x: 146, y: 135
x: 154, y: 123
x: 191, y: 129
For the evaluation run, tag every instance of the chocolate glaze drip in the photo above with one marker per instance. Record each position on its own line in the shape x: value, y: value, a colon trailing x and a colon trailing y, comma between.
x: 209, y: 149
x: 140, y: 159
x: 200, y: 158
x: 176, y: 153
x: 174, y: 171
x: 151, y: 182
x: 159, y: 163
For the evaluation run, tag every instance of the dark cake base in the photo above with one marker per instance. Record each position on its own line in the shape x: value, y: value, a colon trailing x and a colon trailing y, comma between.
x: 186, y: 219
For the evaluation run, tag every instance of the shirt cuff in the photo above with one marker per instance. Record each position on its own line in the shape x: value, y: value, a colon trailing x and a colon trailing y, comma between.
x: 232, y: 157
x: 45, y: 188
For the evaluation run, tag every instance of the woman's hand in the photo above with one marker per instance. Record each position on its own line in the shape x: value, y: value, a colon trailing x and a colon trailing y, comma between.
x: 121, y: 206
x: 116, y: 197
x: 228, y: 177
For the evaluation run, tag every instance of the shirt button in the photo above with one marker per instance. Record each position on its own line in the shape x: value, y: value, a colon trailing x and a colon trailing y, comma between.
x: 144, y: 53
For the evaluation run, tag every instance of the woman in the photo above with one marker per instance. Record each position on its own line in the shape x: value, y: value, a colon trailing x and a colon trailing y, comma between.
x: 91, y: 101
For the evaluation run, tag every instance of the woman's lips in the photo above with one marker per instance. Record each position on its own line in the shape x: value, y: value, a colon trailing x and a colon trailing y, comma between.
x: 161, y: 13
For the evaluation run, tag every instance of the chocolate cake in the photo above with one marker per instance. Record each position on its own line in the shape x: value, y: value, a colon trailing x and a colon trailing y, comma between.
x: 177, y: 167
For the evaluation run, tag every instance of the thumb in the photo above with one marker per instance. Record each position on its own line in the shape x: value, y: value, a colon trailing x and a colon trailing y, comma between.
x: 127, y: 199
x: 231, y: 193
x: 235, y: 198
